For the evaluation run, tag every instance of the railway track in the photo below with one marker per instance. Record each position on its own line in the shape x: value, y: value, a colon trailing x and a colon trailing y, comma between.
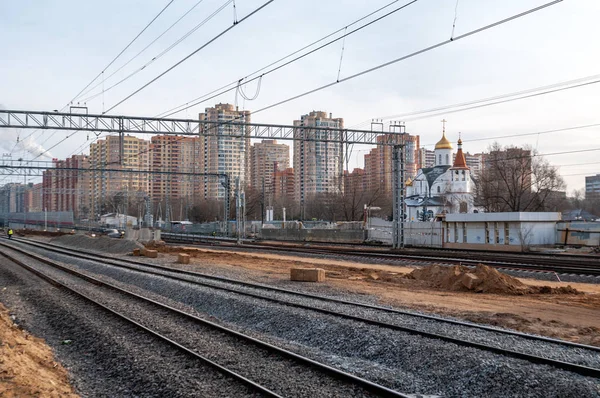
x: 193, y: 334
x: 562, y: 264
x: 347, y: 309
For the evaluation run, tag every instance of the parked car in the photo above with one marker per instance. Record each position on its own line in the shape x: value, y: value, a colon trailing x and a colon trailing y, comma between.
x: 114, y: 233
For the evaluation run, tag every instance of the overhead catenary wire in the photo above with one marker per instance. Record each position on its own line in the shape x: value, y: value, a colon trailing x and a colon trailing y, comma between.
x: 111, y: 62
x: 486, y: 27
x: 565, y: 85
x: 224, y: 89
x: 163, y: 52
x: 122, y: 51
x: 140, y: 52
x: 191, y: 54
x: 583, y: 126
x: 413, y: 54
x: 505, y: 101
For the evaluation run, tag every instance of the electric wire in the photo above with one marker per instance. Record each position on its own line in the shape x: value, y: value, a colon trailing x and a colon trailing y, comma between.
x: 397, y: 59
x: 224, y: 89
x: 571, y: 83
x: 122, y: 51
x: 142, y: 51
x: 505, y: 101
x: 162, y: 53
x: 110, y: 63
x: 190, y: 55
x: 413, y: 54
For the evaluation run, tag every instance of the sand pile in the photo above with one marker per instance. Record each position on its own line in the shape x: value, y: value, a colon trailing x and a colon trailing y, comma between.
x: 482, y: 279
x: 98, y: 243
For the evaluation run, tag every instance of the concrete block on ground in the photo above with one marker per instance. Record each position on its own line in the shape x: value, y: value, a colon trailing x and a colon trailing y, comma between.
x: 137, y: 252
x: 151, y: 253
x: 307, y: 274
x: 183, y: 258
x: 470, y: 281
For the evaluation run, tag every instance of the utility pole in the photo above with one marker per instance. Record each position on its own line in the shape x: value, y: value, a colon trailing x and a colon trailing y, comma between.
x: 399, y: 190
x: 227, y: 185
x: 262, y: 203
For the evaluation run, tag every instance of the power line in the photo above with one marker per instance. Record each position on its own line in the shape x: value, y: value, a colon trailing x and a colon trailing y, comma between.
x: 110, y: 63
x: 139, y: 53
x: 190, y: 55
x: 507, y: 100
x: 486, y: 27
x: 222, y: 90
x: 122, y: 51
x: 527, y: 134
x: 445, y: 42
x: 457, y: 105
x: 165, y: 51
x: 405, y: 57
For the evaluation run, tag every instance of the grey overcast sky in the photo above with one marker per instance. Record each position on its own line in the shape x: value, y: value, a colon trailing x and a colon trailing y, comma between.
x: 52, y: 49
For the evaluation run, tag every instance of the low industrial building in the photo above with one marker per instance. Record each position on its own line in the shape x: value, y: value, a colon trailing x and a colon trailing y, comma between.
x: 515, y: 231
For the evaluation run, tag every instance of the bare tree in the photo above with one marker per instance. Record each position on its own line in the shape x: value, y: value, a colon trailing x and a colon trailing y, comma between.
x: 207, y: 211
x: 517, y: 179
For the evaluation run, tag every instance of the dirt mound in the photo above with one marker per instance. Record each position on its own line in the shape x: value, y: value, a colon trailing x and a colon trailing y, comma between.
x: 482, y: 279
x: 98, y: 243
x: 27, y: 367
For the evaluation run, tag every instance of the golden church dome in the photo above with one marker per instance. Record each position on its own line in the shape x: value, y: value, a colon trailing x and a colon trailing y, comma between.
x: 443, y: 143
x: 409, y: 182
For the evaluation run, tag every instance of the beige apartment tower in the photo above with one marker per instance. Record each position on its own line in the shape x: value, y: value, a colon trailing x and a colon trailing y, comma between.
x: 266, y: 158
x: 225, y: 149
x: 107, y: 181
x: 318, y: 156
x: 379, y: 162
x: 175, y: 162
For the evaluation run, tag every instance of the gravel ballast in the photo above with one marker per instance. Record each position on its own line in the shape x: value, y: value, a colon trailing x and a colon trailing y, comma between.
x: 104, y: 355
x: 401, y: 361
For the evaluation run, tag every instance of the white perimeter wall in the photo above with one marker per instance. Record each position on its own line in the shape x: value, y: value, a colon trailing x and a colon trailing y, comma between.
x: 501, y: 233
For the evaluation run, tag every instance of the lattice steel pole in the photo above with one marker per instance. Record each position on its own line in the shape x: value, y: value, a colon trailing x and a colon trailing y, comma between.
x: 399, y: 214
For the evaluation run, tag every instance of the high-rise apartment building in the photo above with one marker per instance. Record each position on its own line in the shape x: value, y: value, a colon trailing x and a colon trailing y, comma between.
x: 474, y: 162
x: 35, y: 201
x: 266, y: 158
x: 379, y: 161
x: 174, y: 154
x: 11, y: 198
x: 68, y: 190
x: 427, y: 158
x: 225, y: 149
x: 318, y: 155
x: 592, y: 187
x: 107, y: 180
x: 355, y: 183
x: 284, y: 184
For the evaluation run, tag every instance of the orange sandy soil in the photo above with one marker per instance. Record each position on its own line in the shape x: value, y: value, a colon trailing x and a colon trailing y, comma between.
x: 566, y: 316
x: 27, y: 366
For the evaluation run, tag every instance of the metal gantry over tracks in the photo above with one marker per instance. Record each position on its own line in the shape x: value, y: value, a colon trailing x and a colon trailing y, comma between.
x: 118, y: 124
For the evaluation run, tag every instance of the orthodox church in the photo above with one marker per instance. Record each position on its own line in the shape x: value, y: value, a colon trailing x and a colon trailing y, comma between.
x: 448, y: 187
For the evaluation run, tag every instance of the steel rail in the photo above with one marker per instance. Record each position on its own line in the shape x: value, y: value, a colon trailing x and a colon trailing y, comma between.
x: 347, y: 377
x: 114, y: 261
x: 587, y: 371
x: 249, y: 383
x: 517, y: 264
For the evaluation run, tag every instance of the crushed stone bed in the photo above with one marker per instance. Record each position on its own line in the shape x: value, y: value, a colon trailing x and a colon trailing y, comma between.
x: 398, y: 360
